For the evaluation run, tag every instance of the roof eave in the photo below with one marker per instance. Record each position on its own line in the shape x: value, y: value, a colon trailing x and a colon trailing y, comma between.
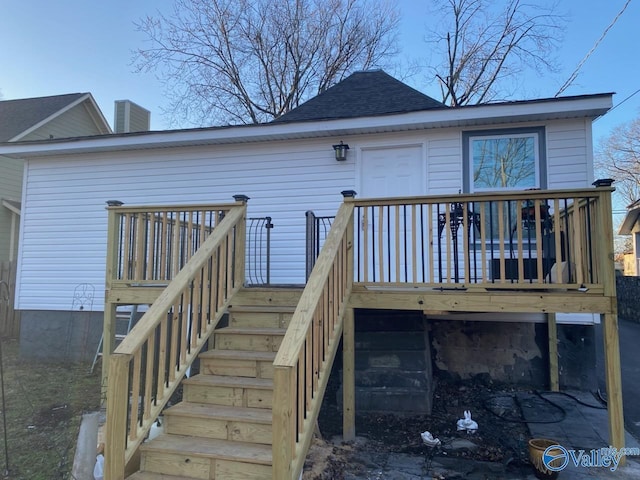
x: 475, y: 116
x: 630, y: 219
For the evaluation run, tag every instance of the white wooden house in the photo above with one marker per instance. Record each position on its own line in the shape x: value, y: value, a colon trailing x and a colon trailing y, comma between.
x: 455, y: 166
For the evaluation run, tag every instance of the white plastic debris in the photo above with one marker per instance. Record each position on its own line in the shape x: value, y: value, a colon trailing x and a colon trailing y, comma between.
x: 428, y: 439
x: 98, y: 469
x: 156, y: 429
x: 467, y: 424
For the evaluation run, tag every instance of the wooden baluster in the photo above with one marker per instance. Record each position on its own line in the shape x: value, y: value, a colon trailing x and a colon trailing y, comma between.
x: 414, y: 243
x: 135, y: 397
x: 503, y: 273
x: 539, y: 240
x: 140, y: 241
x: 126, y: 251
x: 151, y: 249
x: 466, y: 260
x: 381, y: 243
x: 432, y: 264
x: 520, y: 219
x: 483, y: 241
x: 164, y: 238
x: 148, y: 387
x: 557, y: 234
x: 397, y: 244
x: 365, y: 244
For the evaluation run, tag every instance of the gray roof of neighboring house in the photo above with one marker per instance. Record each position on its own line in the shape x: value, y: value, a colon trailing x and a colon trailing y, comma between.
x: 19, y: 115
x: 362, y: 94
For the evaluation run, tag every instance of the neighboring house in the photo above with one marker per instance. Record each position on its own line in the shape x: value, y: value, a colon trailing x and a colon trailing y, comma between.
x: 42, y: 118
x: 631, y: 226
x: 502, y: 227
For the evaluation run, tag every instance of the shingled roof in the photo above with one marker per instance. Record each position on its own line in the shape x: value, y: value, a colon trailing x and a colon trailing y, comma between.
x: 17, y: 116
x: 362, y: 94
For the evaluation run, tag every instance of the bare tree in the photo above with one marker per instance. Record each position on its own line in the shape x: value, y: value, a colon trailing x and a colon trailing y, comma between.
x: 618, y: 156
x: 250, y: 61
x: 484, y: 45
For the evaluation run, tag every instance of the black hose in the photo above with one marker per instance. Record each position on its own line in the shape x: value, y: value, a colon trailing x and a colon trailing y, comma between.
x: 487, y: 407
x: 576, y: 399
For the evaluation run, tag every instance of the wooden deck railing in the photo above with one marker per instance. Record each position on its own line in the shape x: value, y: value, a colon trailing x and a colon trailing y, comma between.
x: 522, y: 240
x: 304, y: 359
x: 148, y: 365
x: 153, y: 243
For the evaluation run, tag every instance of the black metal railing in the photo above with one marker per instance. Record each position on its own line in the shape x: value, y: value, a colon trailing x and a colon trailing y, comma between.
x: 258, y: 260
x: 317, y: 231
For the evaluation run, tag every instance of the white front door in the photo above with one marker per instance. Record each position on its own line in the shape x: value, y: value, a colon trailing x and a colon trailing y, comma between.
x: 387, y: 238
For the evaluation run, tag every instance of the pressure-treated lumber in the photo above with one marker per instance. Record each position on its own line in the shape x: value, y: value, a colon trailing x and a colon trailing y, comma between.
x: 554, y: 379
x: 348, y: 377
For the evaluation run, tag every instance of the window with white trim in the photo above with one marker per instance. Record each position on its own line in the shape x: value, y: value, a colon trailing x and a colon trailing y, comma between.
x: 504, y: 160
x: 508, y: 159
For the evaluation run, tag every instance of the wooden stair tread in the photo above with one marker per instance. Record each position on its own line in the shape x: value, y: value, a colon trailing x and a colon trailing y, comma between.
x: 239, y: 355
x: 155, y: 476
x: 251, y: 331
x: 262, y: 309
x: 210, y: 447
x: 205, y: 410
x: 228, y: 381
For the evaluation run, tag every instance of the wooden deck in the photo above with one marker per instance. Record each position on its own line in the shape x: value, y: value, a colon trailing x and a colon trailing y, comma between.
x: 542, y: 252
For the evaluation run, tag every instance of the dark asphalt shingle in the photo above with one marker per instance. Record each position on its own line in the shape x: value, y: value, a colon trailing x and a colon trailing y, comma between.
x: 362, y: 94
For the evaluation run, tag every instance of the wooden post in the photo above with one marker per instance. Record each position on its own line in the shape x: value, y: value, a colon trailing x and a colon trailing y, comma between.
x: 284, y: 389
x: 554, y: 377
x: 109, y: 321
x: 610, y: 319
x: 614, y: 381
x: 241, y: 234
x: 116, y: 426
x: 348, y: 377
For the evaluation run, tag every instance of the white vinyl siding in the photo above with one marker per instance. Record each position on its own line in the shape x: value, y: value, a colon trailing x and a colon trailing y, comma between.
x: 64, y: 222
x: 568, y: 154
x: 444, y: 163
x: 76, y: 122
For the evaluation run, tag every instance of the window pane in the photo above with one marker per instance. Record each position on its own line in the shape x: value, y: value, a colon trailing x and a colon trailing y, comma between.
x: 504, y: 162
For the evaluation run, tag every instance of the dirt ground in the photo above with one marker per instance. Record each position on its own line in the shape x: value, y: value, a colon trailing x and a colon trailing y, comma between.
x: 42, y: 404
x: 502, y: 435
x: 44, y: 401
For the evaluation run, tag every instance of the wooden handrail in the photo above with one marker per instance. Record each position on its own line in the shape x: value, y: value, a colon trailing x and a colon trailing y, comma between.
x: 486, y: 196
x: 148, y: 365
x: 304, y: 359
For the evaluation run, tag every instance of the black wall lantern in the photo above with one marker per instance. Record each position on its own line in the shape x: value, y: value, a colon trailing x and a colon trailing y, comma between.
x: 341, y: 151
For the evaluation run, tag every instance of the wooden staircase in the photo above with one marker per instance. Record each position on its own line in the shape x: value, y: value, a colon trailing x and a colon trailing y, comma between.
x: 222, y: 429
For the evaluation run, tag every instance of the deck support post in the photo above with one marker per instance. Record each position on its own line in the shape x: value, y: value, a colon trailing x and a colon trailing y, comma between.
x: 348, y: 376
x: 614, y: 381
x: 604, y: 232
x: 554, y: 376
